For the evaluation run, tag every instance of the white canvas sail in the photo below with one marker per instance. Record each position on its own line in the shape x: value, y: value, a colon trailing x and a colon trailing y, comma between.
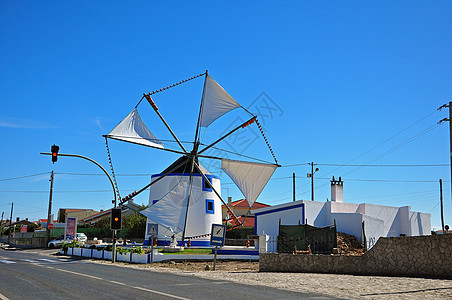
x: 250, y: 178
x: 215, y: 102
x: 170, y: 211
x: 132, y: 129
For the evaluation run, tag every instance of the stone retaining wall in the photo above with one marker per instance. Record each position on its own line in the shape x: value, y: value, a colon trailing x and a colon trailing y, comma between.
x: 420, y: 256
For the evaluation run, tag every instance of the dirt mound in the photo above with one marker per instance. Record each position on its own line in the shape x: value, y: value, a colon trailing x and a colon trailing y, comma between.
x: 348, y: 244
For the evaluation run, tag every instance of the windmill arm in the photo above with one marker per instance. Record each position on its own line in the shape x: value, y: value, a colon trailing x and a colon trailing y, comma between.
x: 165, y: 149
x: 154, y: 106
x: 250, y: 121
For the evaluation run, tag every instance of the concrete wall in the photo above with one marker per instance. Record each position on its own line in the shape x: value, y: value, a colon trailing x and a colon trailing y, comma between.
x: 268, y: 221
x: 418, y: 256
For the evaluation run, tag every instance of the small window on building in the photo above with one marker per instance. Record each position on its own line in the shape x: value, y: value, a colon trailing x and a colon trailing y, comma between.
x: 210, y: 209
x: 205, y: 185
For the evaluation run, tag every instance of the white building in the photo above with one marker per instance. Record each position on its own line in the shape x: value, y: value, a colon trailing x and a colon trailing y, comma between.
x: 168, y: 202
x: 379, y: 220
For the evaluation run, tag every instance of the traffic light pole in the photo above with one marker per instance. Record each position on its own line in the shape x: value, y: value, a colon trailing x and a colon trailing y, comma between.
x: 109, y: 178
x: 49, y: 213
x: 94, y: 162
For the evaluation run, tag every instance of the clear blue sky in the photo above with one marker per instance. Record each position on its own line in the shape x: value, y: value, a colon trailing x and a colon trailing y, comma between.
x: 345, y: 80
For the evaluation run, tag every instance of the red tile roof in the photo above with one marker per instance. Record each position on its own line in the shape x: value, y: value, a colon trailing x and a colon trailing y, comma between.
x: 249, y: 221
x: 244, y: 203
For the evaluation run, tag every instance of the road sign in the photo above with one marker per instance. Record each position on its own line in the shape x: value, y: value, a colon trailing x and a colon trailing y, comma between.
x: 153, y: 229
x: 51, y: 226
x: 217, y: 235
x: 23, y: 228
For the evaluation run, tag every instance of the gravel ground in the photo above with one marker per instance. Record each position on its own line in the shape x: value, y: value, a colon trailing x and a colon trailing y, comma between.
x: 342, y: 286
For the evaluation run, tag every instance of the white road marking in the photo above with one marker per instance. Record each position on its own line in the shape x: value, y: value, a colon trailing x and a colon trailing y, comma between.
x: 3, y: 297
x: 7, y: 262
x: 133, y: 287
x: 48, y: 260
x: 29, y: 260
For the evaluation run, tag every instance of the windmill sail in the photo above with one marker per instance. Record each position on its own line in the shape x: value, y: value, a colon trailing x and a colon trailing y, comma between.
x: 215, y: 102
x: 132, y: 129
x: 170, y: 211
x: 250, y: 178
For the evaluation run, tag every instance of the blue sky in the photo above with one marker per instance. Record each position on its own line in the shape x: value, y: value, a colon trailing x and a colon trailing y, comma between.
x: 334, y: 83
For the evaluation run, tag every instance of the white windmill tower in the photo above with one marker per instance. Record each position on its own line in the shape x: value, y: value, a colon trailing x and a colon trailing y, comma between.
x: 185, y: 198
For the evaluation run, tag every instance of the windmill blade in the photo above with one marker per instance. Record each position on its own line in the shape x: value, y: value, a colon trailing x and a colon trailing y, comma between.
x: 190, y: 186
x: 215, y: 102
x: 170, y: 210
x: 249, y: 177
x: 132, y: 129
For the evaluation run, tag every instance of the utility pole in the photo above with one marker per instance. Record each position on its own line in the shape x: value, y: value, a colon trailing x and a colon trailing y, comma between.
x: 49, y: 214
x: 441, y: 200
x: 312, y: 179
x: 1, y: 223
x: 293, y: 174
x: 450, y: 135
x: 10, y: 222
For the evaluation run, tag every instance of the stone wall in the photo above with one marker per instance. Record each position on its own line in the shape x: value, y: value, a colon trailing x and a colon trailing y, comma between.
x: 419, y: 256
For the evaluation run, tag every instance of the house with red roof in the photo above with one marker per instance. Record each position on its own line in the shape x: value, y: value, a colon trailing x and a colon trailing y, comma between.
x: 241, y: 209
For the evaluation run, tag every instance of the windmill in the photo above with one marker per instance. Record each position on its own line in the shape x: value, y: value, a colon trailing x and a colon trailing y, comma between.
x: 186, y: 190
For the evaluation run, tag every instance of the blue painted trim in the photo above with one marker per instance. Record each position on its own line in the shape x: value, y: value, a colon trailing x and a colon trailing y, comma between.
x: 204, y: 185
x: 279, y: 209
x: 237, y: 252
x: 149, y: 258
x: 210, y: 211
x: 185, y: 174
x: 81, y: 252
x: 130, y: 257
x: 92, y: 253
x: 155, y: 201
x: 103, y: 254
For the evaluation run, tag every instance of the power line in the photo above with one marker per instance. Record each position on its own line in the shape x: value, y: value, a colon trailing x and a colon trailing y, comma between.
x: 22, y: 177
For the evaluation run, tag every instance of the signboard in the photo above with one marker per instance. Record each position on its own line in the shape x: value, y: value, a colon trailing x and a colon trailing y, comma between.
x: 217, y: 235
x: 23, y: 228
x: 51, y: 226
x: 71, y: 228
x: 153, y: 229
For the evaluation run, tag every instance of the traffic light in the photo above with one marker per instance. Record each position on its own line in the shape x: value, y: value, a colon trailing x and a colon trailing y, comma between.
x: 55, y: 150
x: 116, y: 216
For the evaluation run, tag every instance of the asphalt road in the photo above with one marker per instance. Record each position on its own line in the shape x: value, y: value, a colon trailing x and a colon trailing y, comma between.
x: 32, y: 276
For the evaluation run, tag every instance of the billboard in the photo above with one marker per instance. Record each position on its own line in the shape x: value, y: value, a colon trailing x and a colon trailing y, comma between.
x: 71, y: 228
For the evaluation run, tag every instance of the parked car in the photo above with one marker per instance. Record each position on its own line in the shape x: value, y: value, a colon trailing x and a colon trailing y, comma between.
x: 56, y: 243
x: 81, y: 237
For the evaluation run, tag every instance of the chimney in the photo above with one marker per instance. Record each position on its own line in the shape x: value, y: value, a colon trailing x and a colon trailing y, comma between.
x: 337, y: 190
x: 17, y: 219
x: 229, y: 201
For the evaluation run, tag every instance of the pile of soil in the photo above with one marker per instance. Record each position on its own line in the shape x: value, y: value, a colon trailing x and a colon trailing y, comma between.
x: 191, y: 266
x: 348, y: 244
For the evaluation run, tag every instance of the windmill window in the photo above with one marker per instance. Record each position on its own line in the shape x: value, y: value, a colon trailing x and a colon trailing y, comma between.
x: 210, y: 208
x: 205, y: 185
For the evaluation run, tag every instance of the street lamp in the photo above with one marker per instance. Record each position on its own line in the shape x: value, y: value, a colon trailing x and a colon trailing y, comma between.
x: 312, y: 179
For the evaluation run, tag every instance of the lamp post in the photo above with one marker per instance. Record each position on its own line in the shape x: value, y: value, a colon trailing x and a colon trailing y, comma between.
x: 312, y: 179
